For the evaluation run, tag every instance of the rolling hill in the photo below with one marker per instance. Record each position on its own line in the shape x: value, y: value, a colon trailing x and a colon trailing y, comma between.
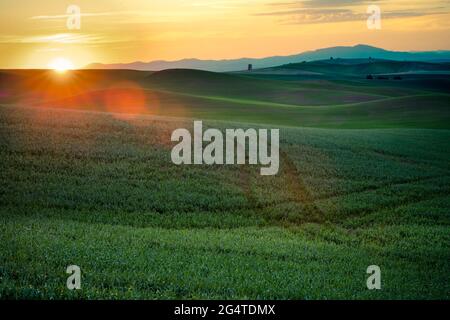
x: 349, y: 101
x: 357, y: 67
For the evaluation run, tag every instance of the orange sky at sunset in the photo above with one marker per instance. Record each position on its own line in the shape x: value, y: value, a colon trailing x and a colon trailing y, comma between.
x: 35, y: 33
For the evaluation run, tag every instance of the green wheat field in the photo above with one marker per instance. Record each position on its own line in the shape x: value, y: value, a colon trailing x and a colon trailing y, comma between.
x: 364, y: 180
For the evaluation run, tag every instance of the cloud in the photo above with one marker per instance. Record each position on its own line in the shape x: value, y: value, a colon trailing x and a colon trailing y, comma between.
x: 311, y: 16
x: 335, y: 3
x: 50, y: 50
x: 123, y: 17
x: 92, y: 14
x: 60, y: 38
x: 307, y: 15
x: 323, y: 3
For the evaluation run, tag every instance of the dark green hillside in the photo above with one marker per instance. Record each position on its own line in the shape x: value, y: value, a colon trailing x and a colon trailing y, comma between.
x: 348, y: 103
x: 345, y: 67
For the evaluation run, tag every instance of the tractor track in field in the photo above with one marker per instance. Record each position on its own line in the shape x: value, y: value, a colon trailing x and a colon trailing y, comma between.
x: 369, y: 189
x: 379, y: 187
x: 298, y: 189
x: 299, y: 193
x: 295, y: 187
x: 397, y: 204
x: 406, y: 160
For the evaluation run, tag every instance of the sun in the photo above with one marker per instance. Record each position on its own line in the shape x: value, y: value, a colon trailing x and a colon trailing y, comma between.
x: 61, y: 65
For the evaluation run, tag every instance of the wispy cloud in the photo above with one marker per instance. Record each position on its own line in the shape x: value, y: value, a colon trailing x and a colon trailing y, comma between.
x: 65, y: 16
x: 323, y: 3
x: 328, y: 11
x: 129, y: 15
x: 50, y: 50
x: 59, y: 38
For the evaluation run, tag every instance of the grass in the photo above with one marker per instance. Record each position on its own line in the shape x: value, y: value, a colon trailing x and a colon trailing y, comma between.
x: 98, y: 190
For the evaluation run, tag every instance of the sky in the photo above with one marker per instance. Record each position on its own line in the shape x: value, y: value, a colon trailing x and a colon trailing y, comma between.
x: 35, y: 33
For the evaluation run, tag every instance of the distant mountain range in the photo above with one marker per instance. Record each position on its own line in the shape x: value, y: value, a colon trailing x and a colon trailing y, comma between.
x: 355, y: 52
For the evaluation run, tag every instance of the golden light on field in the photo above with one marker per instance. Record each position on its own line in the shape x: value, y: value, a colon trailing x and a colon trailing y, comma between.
x: 61, y: 65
